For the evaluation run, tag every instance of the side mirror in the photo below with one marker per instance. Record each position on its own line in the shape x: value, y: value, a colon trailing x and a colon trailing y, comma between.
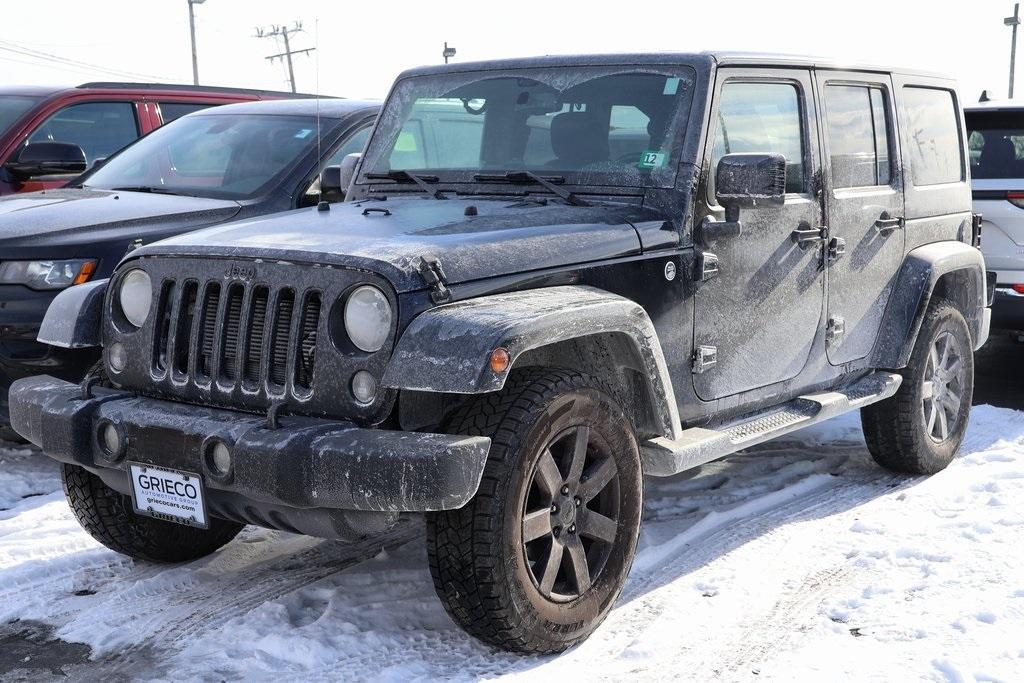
x: 335, y: 180
x: 744, y: 181
x: 47, y: 158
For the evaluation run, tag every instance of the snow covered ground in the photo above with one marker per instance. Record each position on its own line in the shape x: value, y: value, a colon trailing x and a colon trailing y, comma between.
x: 801, y: 560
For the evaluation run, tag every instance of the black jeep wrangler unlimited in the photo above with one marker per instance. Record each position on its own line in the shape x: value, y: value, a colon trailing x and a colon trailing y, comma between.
x: 555, y: 276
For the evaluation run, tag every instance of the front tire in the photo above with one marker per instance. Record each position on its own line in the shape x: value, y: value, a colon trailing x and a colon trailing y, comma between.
x: 921, y: 427
x: 108, y: 517
x: 536, y: 560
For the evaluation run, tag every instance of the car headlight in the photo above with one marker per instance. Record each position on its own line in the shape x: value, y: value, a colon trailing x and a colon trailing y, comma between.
x: 47, y: 274
x: 136, y: 296
x: 368, y: 318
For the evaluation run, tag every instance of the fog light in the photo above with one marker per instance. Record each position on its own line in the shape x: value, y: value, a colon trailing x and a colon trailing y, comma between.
x: 220, y: 458
x: 110, y: 440
x: 364, y: 387
x: 117, y: 357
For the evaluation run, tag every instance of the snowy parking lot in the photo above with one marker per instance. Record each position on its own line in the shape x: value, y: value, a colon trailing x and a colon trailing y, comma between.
x: 798, y: 560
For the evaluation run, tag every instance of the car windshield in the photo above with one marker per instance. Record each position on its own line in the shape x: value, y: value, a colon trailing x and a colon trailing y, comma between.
x: 224, y: 156
x: 996, y: 144
x: 603, y: 126
x: 12, y: 108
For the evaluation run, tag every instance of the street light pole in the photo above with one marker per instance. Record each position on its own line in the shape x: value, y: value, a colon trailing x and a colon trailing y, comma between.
x: 192, y: 31
x: 1014, y: 22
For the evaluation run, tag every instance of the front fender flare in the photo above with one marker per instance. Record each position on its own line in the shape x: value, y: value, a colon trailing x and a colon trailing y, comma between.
x: 74, y: 318
x: 922, y: 269
x: 447, y: 349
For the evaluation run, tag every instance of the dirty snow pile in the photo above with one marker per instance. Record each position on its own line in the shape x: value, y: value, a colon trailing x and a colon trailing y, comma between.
x: 801, y: 560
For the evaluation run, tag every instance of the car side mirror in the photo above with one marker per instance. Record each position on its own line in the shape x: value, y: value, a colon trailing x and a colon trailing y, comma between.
x: 335, y: 180
x: 744, y: 181
x: 47, y: 158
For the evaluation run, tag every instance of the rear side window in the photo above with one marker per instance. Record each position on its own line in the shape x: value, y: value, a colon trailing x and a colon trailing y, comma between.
x: 858, y: 135
x: 762, y: 118
x: 169, y: 111
x: 99, y: 128
x: 933, y: 136
x: 995, y: 141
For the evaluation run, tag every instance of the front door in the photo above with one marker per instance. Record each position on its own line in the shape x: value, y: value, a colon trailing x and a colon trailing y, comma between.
x: 864, y: 207
x: 759, y: 316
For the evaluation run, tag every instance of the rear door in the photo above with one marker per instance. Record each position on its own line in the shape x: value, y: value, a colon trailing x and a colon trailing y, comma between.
x: 864, y: 207
x: 760, y: 315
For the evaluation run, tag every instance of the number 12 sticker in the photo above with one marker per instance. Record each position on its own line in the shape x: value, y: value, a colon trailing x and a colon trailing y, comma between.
x: 651, y: 160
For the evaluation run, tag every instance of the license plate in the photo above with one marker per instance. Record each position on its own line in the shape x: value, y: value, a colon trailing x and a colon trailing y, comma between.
x: 170, y: 495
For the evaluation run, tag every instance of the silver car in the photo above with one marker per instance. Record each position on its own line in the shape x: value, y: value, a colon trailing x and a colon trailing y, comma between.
x: 996, y: 142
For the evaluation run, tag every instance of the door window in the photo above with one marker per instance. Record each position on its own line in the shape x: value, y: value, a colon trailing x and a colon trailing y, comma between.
x: 762, y: 118
x: 354, y: 145
x: 99, y: 128
x: 858, y: 135
x: 933, y: 136
x: 169, y: 111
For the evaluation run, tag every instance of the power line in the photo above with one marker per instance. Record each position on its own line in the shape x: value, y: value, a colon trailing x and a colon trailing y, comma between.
x: 286, y: 56
x: 15, y: 48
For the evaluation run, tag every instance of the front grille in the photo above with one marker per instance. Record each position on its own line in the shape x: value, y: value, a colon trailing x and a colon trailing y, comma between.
x: 224, y: 340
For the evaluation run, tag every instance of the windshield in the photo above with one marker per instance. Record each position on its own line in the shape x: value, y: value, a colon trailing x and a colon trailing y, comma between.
x: 224, y: 156
x: 996, y: 144
x: 611, y: 126
x: 12, y: 108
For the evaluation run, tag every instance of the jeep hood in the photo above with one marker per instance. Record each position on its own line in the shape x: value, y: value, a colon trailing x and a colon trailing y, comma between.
x: 76, y: 219
x: 390, y: 237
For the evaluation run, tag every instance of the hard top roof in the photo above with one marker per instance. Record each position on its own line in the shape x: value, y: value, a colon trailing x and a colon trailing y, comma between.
x: 329, y: 108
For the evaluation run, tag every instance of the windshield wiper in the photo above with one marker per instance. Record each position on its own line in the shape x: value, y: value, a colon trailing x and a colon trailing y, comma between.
x: 144, y: 188
x: 527, y: 177
x: 420, y: 180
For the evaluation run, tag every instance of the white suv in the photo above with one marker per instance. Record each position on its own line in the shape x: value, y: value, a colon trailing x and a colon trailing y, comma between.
x: 996, y: 141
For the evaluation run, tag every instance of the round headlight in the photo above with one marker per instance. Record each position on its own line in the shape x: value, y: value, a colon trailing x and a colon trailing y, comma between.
x: 136, y: 296
x: 368, y: 318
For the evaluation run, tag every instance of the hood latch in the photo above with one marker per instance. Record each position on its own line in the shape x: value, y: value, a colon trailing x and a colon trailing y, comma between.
x: 433, y: 275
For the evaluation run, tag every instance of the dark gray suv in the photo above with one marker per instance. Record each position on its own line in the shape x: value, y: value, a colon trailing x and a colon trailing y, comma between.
x: 555, y: 276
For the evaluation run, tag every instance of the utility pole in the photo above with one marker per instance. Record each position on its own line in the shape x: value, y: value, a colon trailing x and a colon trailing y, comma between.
x: 448, y: 53
x: 1014, y: 22
x: 192, y: 31
x: 284, y: 32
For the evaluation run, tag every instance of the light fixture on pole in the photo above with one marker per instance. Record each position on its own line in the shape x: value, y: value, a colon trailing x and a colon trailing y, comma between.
x: 192, y: 31
x: 1013, y: 21
x: 448, y: 53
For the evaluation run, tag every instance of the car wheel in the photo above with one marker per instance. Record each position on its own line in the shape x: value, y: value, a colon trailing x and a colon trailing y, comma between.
x: 536, y: 560
x: 920, y: 429
x: 108, y: 517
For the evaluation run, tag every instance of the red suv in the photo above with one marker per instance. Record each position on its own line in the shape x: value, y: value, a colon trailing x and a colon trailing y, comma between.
x: 49, y: 135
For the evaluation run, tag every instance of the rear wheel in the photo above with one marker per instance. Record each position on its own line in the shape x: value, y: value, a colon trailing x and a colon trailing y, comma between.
x: 535, y: 561
x: 108, y: 517
x: 920, y: 429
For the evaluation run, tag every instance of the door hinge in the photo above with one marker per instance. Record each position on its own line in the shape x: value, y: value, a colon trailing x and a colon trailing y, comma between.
x: 433, y: 274
x: 703, y: 358
x: 835, y: 330
x: 807, y: 237
x: 707, y: 266
x: 836, y: 249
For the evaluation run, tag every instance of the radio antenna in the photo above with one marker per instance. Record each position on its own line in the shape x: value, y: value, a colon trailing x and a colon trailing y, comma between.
x: 319, y: 143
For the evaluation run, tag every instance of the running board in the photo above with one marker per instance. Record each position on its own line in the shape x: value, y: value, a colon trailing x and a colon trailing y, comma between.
x: 664, y: 457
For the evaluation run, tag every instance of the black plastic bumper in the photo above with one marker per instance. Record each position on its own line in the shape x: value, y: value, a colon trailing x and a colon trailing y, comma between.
x: 305, y: 463
x: 1008, y: 309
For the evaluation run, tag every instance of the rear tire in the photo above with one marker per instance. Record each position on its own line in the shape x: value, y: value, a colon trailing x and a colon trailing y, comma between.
x: 535, y: 562
x: 108, y: 517
x: 921, y: 427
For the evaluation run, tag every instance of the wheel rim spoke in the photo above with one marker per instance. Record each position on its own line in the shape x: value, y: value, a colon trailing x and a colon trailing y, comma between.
x: 536, y: 525
x: 579, y: 456
x: 597, y: 526
x: 548, y: 477
x: 952, y: 402
x: 927, y: 390
x: 932, y: 414
x: 597, y: 479
x: 578, y: 560
x: 942, y: 424
x: 554, y: 563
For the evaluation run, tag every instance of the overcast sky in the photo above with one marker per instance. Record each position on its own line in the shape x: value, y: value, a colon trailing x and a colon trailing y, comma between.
x: 359, y: 54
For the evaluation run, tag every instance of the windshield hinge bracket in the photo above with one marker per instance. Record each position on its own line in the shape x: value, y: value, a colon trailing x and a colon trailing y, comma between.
x: 433, y: 274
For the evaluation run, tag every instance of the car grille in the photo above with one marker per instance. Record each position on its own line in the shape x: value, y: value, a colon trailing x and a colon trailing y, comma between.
x: 268, y: 337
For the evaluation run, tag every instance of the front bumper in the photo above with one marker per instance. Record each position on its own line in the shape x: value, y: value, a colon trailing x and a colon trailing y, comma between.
x: 304, y: 463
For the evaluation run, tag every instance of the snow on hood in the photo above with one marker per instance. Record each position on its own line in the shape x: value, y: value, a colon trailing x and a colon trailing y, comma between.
x: 390, y: 237
x: 85, y: 216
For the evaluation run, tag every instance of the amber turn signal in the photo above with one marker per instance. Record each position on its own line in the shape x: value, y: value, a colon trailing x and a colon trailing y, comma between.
x: 86, y: 272
x: 500, y: 360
